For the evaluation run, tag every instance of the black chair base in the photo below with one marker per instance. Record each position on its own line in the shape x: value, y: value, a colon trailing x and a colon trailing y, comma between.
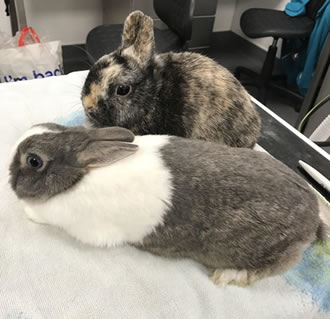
x: 256, y: 81
x: 266, y: 80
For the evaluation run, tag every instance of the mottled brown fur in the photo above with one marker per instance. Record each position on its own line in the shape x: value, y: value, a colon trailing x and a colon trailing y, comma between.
x: 184, y: 94
x: 224, y: 92
x: 138, y: 34
x: 90, y: 100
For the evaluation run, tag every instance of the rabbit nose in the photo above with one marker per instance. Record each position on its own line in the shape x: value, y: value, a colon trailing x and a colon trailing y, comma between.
x: 92, y: 115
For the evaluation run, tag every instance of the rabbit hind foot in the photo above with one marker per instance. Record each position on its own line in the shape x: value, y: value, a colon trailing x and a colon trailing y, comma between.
x: 241, y: 278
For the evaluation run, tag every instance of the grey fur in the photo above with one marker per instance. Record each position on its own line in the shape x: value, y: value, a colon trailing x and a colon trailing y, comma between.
x: 184, y: 94
x: 67, y: 155
x: 235, y: 209
x: 231, y: 208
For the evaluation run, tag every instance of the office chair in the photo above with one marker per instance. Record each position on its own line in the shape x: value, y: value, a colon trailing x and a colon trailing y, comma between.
x: 177, y: 15
x: 260, y: 23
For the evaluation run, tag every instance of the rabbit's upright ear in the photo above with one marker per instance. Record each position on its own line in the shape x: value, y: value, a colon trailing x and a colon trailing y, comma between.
x: 103, y: 153
x: 138, y: 36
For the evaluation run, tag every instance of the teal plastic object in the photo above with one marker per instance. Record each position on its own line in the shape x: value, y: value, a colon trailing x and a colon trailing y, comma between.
x: 296, y: 7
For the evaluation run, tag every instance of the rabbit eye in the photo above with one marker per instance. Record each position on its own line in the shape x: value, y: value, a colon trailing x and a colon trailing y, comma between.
x: 123, y: 89
x: 34, y: 161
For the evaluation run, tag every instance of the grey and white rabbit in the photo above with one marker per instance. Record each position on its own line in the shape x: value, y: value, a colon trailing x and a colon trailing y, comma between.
x: 183, y: 94
x: 239, y: 212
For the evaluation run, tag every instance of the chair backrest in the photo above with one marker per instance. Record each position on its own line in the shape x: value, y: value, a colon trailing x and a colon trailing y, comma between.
x: 312, y: 7
x: 177, y: 15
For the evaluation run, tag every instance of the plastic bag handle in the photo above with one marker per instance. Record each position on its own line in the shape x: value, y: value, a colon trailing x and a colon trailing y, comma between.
x: 23, y: 34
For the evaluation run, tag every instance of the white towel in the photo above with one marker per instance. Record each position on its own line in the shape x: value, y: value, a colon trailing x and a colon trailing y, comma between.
x: 46, y: 274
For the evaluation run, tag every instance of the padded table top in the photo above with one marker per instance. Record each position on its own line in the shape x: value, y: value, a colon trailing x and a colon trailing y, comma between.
x: 46, y: 274
x: 289, y: 146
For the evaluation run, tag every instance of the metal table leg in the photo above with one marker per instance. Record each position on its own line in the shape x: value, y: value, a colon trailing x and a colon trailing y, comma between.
x: 17, y: 15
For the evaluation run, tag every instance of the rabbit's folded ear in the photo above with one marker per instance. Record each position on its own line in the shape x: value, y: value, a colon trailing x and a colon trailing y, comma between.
x: 138, y: 36
x: 103, y: 153
x: 114, y: 133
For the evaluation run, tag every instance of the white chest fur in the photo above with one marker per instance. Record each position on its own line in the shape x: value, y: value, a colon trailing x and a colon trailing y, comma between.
x: 116, y: 204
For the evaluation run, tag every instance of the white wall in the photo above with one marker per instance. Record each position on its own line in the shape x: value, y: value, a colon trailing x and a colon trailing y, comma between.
x: 66, y: 20
x: 71, y: 20
x: 224, y: 15
x: 4, y: 20
x: 242, y: 5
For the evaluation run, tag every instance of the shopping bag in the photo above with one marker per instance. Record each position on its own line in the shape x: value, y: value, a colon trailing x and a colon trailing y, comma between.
x: 31, y: 59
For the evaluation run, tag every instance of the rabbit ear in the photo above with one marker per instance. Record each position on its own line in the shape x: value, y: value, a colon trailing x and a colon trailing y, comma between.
x: 107, y: 145
x: 103, y: 153
x: 111, y: 134
x: 138, y: 36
